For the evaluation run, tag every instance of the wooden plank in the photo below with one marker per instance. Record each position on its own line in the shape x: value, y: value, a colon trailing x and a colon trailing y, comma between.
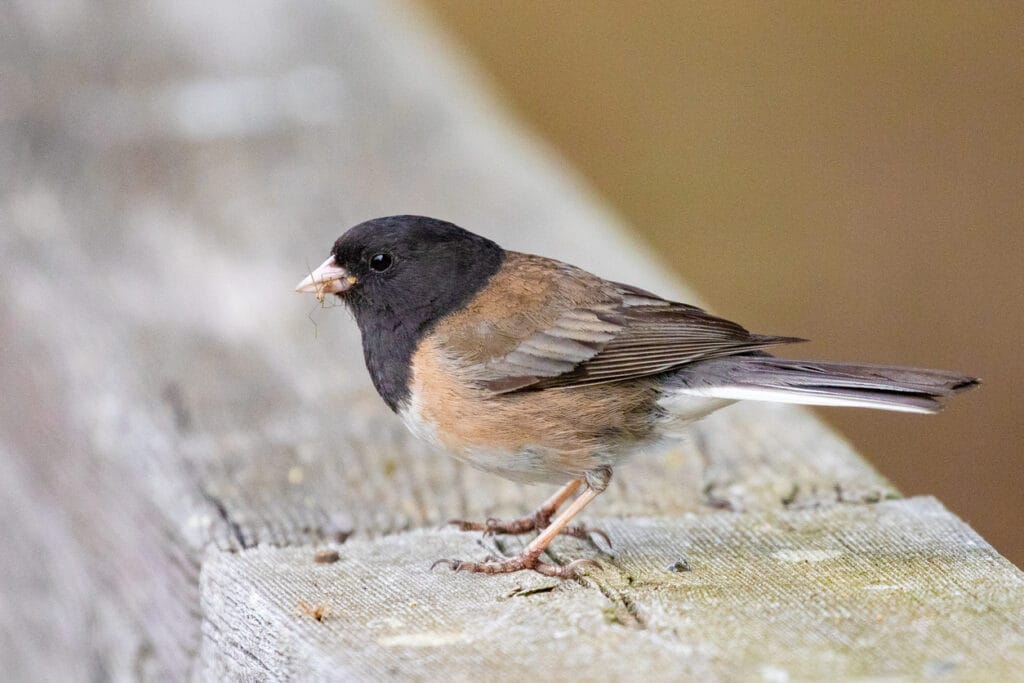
x: 901, y: 590
x: 171, y: 408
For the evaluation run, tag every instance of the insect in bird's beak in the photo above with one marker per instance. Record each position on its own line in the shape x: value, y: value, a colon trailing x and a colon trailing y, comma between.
x: 329, y: 278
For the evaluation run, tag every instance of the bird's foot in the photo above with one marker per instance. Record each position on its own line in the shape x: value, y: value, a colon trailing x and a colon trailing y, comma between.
x: 537, y: 521
x: 496, y: 565
x: 514, y: 527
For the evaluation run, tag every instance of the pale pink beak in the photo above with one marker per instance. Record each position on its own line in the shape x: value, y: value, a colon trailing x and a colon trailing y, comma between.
x: 329, y: 278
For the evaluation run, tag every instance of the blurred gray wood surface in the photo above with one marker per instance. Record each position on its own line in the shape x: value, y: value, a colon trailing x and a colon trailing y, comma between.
x: 179, y: 431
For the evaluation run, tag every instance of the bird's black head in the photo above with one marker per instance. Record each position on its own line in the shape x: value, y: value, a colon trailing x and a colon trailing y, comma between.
x: 400, y: 275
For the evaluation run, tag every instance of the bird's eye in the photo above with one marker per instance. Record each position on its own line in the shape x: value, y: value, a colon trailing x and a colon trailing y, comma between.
x: 380, y: 262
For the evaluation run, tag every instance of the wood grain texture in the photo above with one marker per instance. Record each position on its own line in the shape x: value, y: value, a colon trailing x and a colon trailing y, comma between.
x: 172, y: 410
x: 901, y: 590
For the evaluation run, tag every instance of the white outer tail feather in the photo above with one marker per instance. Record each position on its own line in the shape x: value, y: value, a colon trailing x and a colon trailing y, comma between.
x: 741, y: 393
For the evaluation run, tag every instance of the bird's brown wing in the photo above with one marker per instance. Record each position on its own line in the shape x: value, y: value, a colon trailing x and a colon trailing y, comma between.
x: 619, y: 333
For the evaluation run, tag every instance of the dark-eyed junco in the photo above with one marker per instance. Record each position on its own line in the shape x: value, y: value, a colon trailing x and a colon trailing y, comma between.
x: 542, y: 372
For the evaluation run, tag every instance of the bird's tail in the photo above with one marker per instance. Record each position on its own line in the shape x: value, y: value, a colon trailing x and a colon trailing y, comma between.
x: 766, y: 378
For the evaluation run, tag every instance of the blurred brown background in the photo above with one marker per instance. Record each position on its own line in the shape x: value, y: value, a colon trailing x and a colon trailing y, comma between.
x: 850, y: 173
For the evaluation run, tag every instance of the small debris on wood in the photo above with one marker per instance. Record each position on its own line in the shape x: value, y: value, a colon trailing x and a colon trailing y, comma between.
x: 319, y: 612
x: 838, y: 488
x: 679, y: 566
x: 520, y: 592
x: 326, y: 556
x: 790, y: 497
x: 715, y: 501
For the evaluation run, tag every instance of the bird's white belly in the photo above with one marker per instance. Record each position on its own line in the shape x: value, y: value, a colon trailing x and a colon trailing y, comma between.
x: 422, y: 428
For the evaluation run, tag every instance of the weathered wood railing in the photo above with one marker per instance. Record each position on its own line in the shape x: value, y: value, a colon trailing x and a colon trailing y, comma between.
x: 179, y: 433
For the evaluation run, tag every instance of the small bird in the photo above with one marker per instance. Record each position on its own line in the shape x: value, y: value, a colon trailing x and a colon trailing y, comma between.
x: 539, y: 371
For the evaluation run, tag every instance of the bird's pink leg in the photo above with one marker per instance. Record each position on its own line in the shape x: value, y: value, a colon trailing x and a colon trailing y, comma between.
x: 530, y: 557
x: 540, y: 519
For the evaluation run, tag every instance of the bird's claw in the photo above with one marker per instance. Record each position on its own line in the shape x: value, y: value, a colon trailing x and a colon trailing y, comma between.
x: 587, y: 533
x: 493, y: 565
x: 453, y: 564
x: 465, y: 525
